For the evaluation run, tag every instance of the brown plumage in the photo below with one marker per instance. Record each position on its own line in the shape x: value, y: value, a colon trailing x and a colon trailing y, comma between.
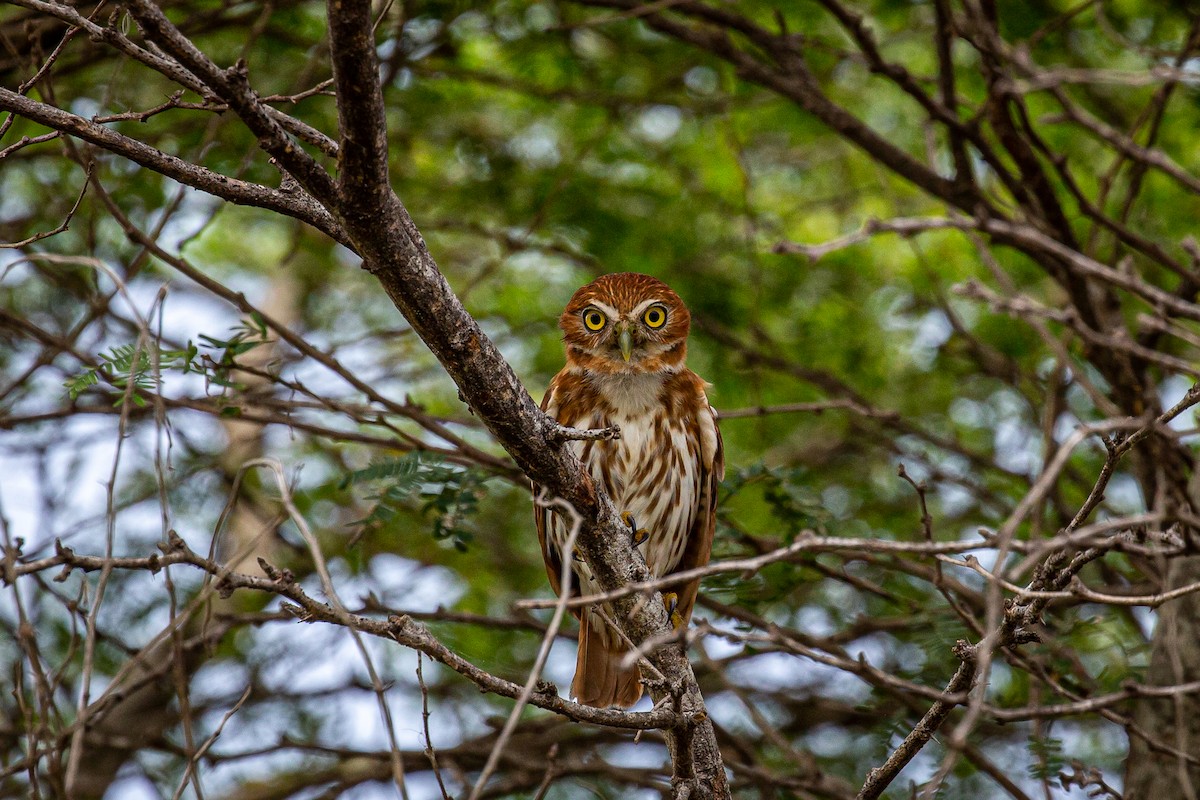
x: 626, y: 342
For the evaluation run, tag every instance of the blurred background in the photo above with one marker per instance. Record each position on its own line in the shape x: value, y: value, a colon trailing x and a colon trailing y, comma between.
x: 165, y: 339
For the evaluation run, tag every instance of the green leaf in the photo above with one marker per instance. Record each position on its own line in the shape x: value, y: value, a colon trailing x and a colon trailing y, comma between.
x: 448, y: 493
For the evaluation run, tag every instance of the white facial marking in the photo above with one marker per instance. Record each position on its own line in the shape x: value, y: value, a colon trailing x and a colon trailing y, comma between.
x: 610, y: 312
x: 642, y: 306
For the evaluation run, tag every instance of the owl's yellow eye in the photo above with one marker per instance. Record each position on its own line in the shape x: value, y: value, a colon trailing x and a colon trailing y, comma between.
x: 655, y: 316
x: 594, y: 320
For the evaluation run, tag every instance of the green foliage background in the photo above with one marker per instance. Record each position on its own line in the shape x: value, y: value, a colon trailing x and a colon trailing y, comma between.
x: 537, y: 145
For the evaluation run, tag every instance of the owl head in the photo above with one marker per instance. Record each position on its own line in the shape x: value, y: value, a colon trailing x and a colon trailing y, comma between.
x: 626, y: 323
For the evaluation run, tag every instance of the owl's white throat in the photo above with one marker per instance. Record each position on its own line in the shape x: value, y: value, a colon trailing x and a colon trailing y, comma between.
x: 630, y: 394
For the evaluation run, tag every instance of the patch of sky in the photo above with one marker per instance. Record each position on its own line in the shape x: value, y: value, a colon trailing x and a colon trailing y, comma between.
x: 1147, y: 620
x: 552, y: 272
x: 468, y: 25
x: 359, y: 722
x: 969, y: 577
x: 1170, y: 392
x: 1064, y: 426
x: 954, y: 500
x: 1101, y: 747
x: 421, y: 34
x: 133, y: 786
x: 219, y: 680
x: 540, y: 17
x: 890, y: 304
x: 828, y: 741
x: 474, y: 163
x: 932, y: 331
x: 813, y: 620
x: 659, y: 123
x: 798, y: 675
x: 874, y: 649
x: 929, y: 330
x: 195, y: 212
x: 646, y: 756
x: 1123, y: 495
x: 1018, y: 445
x: 999, y: 679
x: 589, y: 44
x: 560, y: 667
x: 971, y: 413
x: 17, y: 193
x: 509, y: 27
x: 402, y: 81
x: 779, y: 671
x: 12, y: 262
x: 81, y: 469
x: 912, y: 456
x: 346, y: 257
x: 911, y: 655
x: 276, y: 649
x: 1048, y: 367
x: 1078, y: 398
x: 919, y: 459
x: 629, y: 173
x: 135, y: 608
x: 537, y: 146
x: 409, y: 584
x: 718, y: 648
x: 361, y: 354
x: 838, y: 501
x: 84, y: 107
x: 730, y: 712
x: 847, y: 600
x: 701, y: 80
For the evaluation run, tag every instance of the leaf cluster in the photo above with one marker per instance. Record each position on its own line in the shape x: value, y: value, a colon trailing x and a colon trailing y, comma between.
x: 447, y: 493
x: 132, y: 364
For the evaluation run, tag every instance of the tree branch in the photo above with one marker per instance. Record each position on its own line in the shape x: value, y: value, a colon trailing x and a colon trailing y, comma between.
x: 293, y: 204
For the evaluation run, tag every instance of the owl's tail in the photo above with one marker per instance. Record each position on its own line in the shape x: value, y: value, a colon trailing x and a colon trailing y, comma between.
x: 600, y: 681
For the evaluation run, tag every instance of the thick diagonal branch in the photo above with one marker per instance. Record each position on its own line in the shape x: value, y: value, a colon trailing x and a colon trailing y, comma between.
x: 394, y: 250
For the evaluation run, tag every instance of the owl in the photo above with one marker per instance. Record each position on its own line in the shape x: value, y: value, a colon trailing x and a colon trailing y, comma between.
x: 626, y: 342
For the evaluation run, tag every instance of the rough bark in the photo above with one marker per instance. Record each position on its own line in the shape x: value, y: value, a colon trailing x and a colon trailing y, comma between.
x: 380, y: 230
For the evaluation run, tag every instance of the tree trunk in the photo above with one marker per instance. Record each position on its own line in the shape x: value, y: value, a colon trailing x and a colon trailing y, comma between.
x: 1151, y: 774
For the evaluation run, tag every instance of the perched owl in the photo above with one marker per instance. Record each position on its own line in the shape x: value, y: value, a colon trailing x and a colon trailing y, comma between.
x: 626, y: 341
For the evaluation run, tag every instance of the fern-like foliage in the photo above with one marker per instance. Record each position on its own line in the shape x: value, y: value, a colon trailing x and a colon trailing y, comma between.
x: 1048, y: 759
x: 447, y: 492
x: 247, y: 335
x: 128, y: 363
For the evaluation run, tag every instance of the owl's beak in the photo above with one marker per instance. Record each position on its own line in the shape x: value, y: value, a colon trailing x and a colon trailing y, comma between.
x: 625, y: 341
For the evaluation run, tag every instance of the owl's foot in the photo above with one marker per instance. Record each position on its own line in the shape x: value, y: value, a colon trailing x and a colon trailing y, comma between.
x: 640, y: 535
x: 578, y: 556
x: 671, y: 601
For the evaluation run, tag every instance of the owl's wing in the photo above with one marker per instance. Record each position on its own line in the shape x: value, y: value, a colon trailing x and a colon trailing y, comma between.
x: 704, y: 525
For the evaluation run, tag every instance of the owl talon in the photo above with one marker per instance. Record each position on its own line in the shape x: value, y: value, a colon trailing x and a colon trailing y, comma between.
x: 640, y: 535
x: 578, y: 556
x: 671, y: 601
